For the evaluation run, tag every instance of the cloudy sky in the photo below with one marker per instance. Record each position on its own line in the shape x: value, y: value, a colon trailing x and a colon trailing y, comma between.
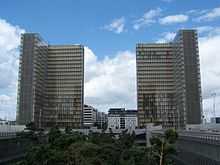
x: 109, y: 30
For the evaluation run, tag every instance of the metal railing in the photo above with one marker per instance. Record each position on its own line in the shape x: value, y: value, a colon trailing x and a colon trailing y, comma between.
x: 205, y: 137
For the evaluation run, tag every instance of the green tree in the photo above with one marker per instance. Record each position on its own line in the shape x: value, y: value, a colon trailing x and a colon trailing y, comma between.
x: 53, y: 134
x: 68, y: 130
x: 163, y: 147
x: 99, y: 149
x: 31, y: 126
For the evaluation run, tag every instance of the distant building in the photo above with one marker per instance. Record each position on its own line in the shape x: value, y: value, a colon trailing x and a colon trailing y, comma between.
x: 12, y: 122
x: 119, y: 118
x: 89, y: 116
x: 7, y: 122
x: 168, y: 81
x: 215, y: 120
x: 101, y: 121
x: 3, y: 122
x: 51, y: 83
x: 116, y: 118
x: 131, y: 121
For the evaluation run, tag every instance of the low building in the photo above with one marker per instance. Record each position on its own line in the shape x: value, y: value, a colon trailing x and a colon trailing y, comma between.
x: 89, y: 116
x: 101, y: 121
x: 7, y: 122
x: 215, y: 120
x: 131, y: 121
x: 3, y: 122
x: 115, y: 118
x: 119, y: 118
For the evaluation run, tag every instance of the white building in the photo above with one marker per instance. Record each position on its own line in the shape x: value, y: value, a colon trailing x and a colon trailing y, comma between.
x: 89, y: 116
x: 7, y: 122
x: 101, y: 119
x: 119, y: 118
x: 131, y: 121
x: 3, y: 122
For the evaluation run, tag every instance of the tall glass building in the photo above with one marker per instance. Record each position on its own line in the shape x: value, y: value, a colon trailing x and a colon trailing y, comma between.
x: 51, y: 83
x: 168, y: 81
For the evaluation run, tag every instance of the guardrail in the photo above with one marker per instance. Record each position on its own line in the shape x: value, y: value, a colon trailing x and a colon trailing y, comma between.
x: 206, y: 137
x: 8, y: 131
x: 4, y: 135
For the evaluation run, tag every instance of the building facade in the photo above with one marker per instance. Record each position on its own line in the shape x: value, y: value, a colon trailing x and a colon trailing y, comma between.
x: 187, y: 78
x: 102, y: 119
x: 116, y: 119
x: 168, y: 81
x: 119, y: 118
x: 51, y: 83
x: 215, y: 120
x: 155, y: 84
x: 131, y: 120
x: 89, y: 116
x: 31, y: 79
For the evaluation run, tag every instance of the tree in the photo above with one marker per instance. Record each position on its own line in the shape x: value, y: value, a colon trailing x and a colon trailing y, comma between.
x: 53, y: 134
x: 81, y: 153
x: 163, y: 147
x: 126, y: 140
x: 99, y: 149
x: 31, y: 126
x: 68, y: 130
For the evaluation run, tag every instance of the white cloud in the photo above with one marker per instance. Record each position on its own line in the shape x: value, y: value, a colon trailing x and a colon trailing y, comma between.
x: 209, y: 54
x: 166, y: 37
x: 172, y: 19
x: 210, y: 15
x: 210, y: 70
x: 9, y: 43
x: 148, y: 18
x: 117, y: 25
x: 204, y: 29
x: 196, y: 12
x: 208, y: 31
x: 110, y: 82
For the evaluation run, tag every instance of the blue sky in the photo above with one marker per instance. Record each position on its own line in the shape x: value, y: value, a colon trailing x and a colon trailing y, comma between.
x: 82, y: 21
x: 109, y: 30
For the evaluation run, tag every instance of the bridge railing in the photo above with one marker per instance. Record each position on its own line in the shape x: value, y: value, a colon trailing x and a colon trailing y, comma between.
x: 7, y: 134
x: 212, y: 138
x: 206, y: 137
